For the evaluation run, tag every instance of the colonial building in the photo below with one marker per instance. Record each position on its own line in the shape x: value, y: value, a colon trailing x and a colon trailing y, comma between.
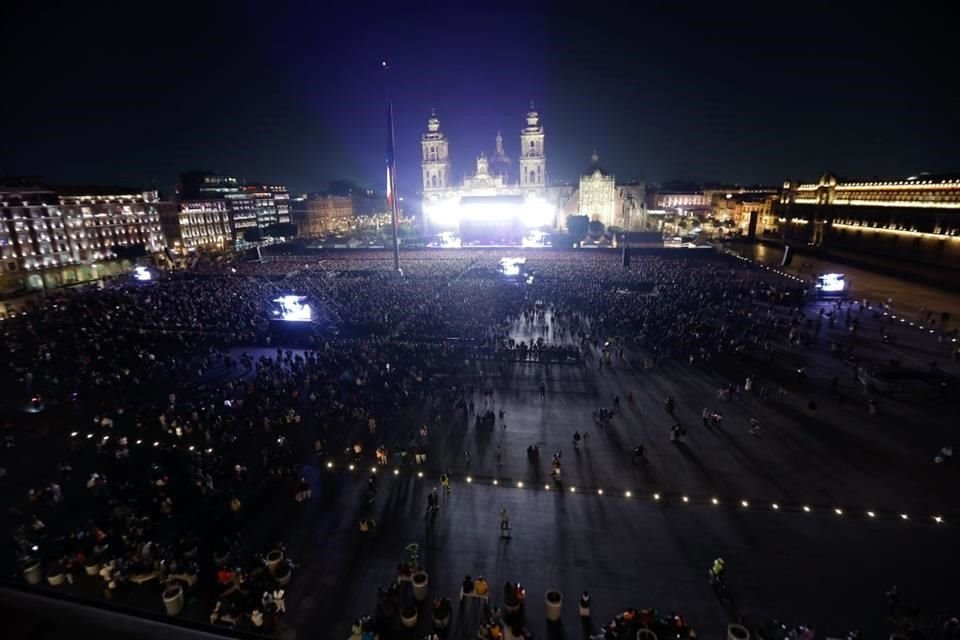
x: 249, y: 206
x: 318, y: 215
x: 915, y: 218
x: 600, y: 198
x: 50, y: 237
x: 533, y: 158
x: 192, y: 224
x: 493, y: 178
x: 598, y: 193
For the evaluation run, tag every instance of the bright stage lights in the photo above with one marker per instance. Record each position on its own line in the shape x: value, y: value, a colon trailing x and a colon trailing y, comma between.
x: 529, y: 213
x: 511, y: 266
x: 832, y: 283
x: 293, y: 309
x: 142, y: 274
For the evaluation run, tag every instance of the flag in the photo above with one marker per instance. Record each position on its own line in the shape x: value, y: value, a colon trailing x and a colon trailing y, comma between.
x: 391, y: 160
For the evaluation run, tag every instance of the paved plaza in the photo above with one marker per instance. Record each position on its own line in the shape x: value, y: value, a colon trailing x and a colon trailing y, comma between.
x: 816, y: 515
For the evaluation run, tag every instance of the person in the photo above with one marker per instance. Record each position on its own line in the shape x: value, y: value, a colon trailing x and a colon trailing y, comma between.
x: 675, y: 432
x: 433, y: 502
x: 585, y: 605
x: 480, y: 587
x: 576, y: 439
x: 638, y: 452
x: 501, y: 414
x: 504, y: 521
x: 717, y: 571
x: 893, y: 601
x: 668, y: 405
x: 944, y: 455
x: 705, y: 415
x: 445, y: 482
x: 500, y: 455
x: 616, y: 403
x: 543, y: 390
x: 279, y: 601
x: 754, y: 427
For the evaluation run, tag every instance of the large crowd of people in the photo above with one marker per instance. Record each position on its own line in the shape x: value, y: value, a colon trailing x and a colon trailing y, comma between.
x: 169, y: 411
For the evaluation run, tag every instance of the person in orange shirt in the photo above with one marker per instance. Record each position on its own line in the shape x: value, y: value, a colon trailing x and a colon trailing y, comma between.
x: 480, y: 587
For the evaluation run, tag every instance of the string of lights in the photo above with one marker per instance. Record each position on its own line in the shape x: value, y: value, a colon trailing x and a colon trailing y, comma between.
x: 662, y: 497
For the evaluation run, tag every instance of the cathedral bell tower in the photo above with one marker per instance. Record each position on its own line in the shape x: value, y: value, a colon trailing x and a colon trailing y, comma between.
x: 435, y: 162
x: 533, y: 160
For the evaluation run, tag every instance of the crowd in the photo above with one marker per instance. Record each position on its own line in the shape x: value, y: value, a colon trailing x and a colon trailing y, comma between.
x: 162, y: 432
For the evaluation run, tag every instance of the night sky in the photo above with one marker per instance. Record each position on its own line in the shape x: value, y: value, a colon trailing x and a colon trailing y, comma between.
x: 133, y: 93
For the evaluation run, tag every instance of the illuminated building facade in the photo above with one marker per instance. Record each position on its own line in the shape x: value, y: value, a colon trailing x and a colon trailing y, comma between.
x: 60, y: 235
x: 194, y: 224
x: 598, y: 193
x: 319, y: 215
x: 601, y: 199
x: 916, y: 218
x: 493, y: 180
x: 741, y: 211
x: 249, y: 206
x: 533, y: 157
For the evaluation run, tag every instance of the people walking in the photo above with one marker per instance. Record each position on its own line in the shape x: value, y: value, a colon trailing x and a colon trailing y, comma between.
x: 676, y: 431
x: 445, y: 482
x: 433, y: 502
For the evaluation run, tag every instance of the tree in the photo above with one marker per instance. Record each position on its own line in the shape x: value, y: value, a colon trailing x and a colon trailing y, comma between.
x: 577, y: 226
x: 595, y: 228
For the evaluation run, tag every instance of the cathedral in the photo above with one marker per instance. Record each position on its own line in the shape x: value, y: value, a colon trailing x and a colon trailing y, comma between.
x: 497, y: 180
x: 500, y: 188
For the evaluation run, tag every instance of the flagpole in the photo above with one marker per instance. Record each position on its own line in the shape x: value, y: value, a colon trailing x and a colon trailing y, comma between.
x: 392, y: 197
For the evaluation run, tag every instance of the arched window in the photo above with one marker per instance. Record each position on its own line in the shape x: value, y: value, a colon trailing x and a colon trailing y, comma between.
x: 433, y: 180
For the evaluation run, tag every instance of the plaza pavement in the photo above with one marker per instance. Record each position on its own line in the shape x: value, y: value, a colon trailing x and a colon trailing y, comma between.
x: 821, y: 568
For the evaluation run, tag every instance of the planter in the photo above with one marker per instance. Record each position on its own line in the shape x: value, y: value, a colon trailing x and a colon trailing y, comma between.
x: 646, y: 634
x: 220, y: 557
x: 420, y: 581
x: 553, y: 600
x: 409, y: 617
x: 56, y: 579
x: 173, y: 599
x: 440, y: 623
x: 273, y: 559
x: 282, y: 574
x: 33, y: 574
x: 91, y: 569
x: 737, y: 632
